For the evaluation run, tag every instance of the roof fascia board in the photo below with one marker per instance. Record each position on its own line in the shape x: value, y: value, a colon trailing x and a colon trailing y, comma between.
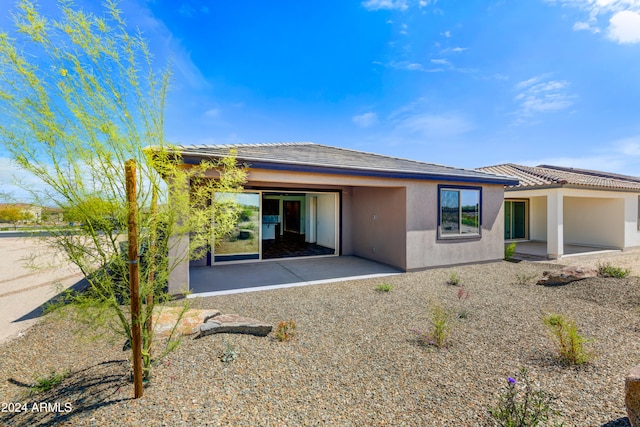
x: 573, y: 187
x: 334, y: 170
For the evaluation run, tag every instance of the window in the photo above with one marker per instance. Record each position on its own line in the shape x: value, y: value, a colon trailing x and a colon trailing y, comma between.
x: 638, y: 213
x: 459, y: 211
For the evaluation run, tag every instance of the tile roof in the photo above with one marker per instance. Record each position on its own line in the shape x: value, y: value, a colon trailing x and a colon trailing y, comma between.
x: 306, y: 156
x: 556, y: 176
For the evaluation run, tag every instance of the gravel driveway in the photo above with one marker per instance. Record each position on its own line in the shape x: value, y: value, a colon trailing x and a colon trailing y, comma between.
x: 355, y: 361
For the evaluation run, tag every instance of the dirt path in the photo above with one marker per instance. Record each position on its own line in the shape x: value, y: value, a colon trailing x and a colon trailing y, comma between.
x: 22, y: 288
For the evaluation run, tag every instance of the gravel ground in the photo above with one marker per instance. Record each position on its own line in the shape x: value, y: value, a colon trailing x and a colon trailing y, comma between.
x: 354, y: 361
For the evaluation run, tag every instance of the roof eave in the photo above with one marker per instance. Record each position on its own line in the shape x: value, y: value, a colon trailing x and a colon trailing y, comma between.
x: 352, y: 171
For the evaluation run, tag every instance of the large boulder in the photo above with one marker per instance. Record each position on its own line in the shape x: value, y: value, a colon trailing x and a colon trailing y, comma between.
x: 234, y: 324
x: 165, y: 318
x: 567, y: 275
x: 632, y: 396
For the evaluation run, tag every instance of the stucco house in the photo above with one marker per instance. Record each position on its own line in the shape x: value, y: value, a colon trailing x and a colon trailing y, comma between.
x: 305, y: 199
x: 562, y: 206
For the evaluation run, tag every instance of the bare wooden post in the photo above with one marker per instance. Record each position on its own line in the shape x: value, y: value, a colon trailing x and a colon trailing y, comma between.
x: 134, y: 275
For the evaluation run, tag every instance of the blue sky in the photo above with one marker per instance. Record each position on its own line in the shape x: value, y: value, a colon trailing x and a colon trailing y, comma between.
x: 462, y: 83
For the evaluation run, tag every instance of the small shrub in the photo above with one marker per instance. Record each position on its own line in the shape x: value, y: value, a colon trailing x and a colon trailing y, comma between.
x: 463, y: 296
x: 522, y: 405
x: 453, y: 279
x: 228, y: 353
x: 384, y: 287
x: 285, y: 330
x: 509, y: 250
x: 46, y: 383
x: 569, y: 342
x: 439, y: 329
x: 524, y: 279
x: 608, y: 270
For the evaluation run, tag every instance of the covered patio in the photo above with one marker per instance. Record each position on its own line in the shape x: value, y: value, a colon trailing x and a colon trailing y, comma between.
x: 538, y: 250
x: 257, y: 276
x: 570, y: 211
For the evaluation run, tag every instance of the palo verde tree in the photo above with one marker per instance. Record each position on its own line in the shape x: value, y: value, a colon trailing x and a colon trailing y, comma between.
x: 13, y: 214
x: 79, y: 96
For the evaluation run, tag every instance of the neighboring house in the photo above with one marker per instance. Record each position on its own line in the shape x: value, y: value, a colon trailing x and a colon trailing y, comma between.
x: 304, y: 199
x: 559, y: 206
x: 20, y: 212
x: 52, y: 215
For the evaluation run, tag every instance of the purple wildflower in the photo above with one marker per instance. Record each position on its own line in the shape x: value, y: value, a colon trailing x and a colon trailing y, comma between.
x: 511, y: 380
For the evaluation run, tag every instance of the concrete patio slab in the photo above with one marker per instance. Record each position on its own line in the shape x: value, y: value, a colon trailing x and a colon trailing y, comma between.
x: 255, y: 276
x: 538, y: 250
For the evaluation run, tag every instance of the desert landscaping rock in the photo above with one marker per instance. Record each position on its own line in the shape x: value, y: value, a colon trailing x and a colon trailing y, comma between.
x: 567, y: 275
x: 632, y: 396
x: 354, y: 360
x: 165, y: 318
x: 234, y: 324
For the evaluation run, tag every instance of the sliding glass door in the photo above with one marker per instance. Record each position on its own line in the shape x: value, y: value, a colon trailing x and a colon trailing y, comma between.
x: 243, y: 241
x: 515, y: 219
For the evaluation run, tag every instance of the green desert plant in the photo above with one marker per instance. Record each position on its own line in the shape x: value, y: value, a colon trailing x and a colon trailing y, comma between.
x: 453, y: 279
x: 607, y: 270
x: 523, y: 405
x: 79, y: 96
x: 509, y: 250
x: 463, y: 296
x: 384, y: 287
x: 285, y: 330
x: 228, y: 352
x: 47, y: 382
x: 524, y: 279
x: 439, y: 329
x: 570, y: 344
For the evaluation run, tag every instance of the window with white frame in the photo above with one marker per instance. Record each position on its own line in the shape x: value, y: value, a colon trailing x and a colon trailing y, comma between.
x: 459, y: 211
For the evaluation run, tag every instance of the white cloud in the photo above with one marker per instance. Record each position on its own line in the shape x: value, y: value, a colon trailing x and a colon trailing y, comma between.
x: 440, y: 62
x: 365, y: 120
x: 539, y: 96
x: 165, y: 45
x: 624, y: 27
x: 396, y: 4
x: 629, y: 147
x: 385, y: 4
x: 212, y: 113
x: 187, y: 10
x: 456, y: 49
x: 619, y: 156
x: 409, y: 66
x: 622, y: 17
x: 443, y: 125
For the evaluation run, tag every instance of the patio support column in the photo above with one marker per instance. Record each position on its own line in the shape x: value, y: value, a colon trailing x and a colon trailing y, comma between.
x: 555, y: 224
x: 178, y: 264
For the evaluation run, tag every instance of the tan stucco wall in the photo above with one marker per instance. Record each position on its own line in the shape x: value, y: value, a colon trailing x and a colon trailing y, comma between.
x: 404, y: 231
x: 594, y: 221
x: 609, y: 216
x: 424, y: 249
x: 631, y: 232
x: 537, y: 218
x: 379, y: 224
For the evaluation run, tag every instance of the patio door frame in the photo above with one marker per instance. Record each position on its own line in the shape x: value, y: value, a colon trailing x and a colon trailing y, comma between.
x: 311, y: 215
x: 513, y: 220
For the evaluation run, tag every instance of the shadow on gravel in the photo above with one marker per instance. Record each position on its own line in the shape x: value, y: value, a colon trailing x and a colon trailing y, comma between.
x: 620, y: 422
x: 83, y: 391
x: 39, y: 311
